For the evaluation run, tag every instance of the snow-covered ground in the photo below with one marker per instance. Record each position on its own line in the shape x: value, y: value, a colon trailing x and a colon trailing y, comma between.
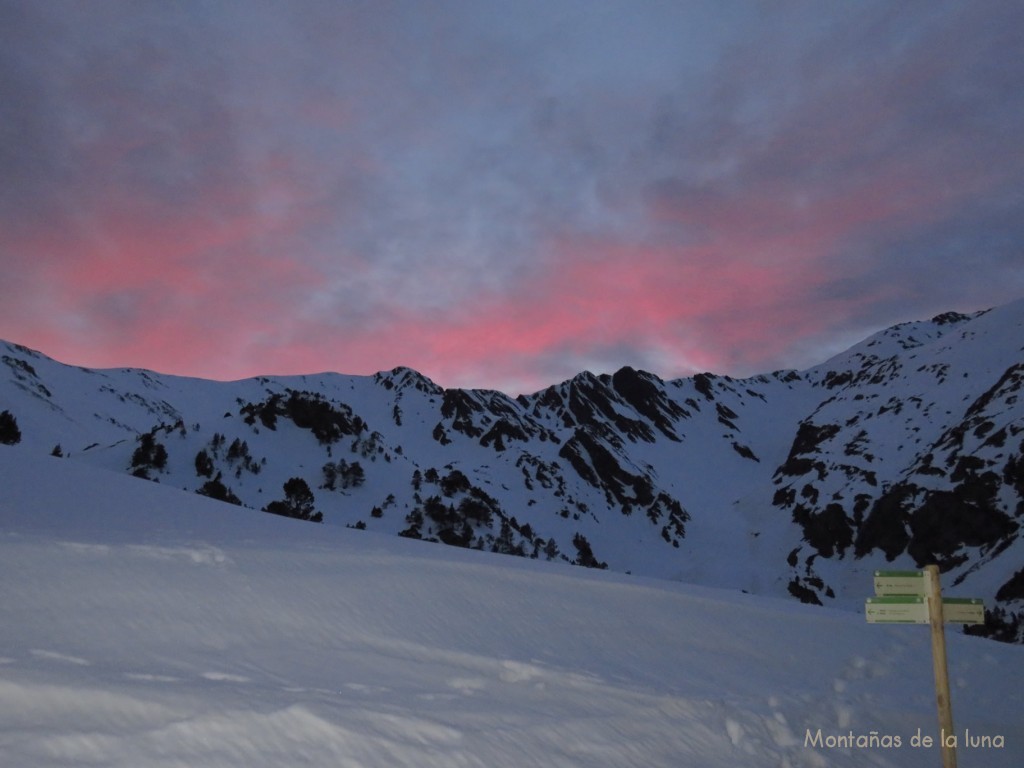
x: 145, y: 626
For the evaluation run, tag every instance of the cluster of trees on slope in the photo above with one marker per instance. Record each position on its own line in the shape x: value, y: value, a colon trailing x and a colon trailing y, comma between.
x: 10, y: 434
x: 297, y: 502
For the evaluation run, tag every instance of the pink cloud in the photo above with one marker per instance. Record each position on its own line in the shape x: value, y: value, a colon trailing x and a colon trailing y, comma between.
x: 131, y: 282
x: 215, y: 253
x: 595, y: 297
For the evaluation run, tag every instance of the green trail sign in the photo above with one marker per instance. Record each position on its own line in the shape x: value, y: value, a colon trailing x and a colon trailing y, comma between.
x: 912, y: 609
x: 896, y: 609
x: 900, y: 583
x: 963, y: 610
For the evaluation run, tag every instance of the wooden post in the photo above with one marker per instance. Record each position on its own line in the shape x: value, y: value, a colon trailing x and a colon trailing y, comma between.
x: 934, y: 592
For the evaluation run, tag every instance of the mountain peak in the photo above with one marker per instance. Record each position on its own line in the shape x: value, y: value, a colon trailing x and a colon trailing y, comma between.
x: 402, y: 377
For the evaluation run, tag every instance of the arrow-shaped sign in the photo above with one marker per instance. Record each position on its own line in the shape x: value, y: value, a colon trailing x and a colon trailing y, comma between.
x: 896, y: 609
x: 900, y: 583
x: 963, y: 610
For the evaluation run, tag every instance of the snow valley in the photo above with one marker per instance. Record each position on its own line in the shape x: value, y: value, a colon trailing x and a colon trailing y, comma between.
x: 143, y: 625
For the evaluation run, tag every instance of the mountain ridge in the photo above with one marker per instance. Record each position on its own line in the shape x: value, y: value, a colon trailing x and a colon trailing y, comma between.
x: 903, y: 449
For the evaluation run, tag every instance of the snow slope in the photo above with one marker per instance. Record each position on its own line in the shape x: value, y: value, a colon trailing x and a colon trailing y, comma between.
x: 144, y: 626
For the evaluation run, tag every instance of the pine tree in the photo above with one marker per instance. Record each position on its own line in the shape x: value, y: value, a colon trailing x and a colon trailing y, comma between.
x: 9, y: 432
x: 216, y: 489
x: 298, y: 494
x: 204, y: 464
x: 149, y: 454
x: 298, y: 502
x: 585, y: 555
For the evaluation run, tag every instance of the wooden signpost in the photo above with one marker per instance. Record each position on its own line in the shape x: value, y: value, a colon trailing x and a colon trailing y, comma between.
x: 915, y: 597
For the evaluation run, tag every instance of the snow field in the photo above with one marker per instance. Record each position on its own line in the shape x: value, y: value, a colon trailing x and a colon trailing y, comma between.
x: 147, y: 627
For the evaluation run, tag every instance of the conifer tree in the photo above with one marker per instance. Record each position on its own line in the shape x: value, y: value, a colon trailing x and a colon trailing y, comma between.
x: 9, y: 432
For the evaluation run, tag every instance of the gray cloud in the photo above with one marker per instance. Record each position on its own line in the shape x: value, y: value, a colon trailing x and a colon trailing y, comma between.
x: 399, y: 159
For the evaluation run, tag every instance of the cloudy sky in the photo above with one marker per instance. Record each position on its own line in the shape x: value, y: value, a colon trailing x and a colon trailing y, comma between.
x: 502, y: 194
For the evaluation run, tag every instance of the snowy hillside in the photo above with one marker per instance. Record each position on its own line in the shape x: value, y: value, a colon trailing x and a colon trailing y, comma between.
x: 904, y: 450
x: 144, y: 626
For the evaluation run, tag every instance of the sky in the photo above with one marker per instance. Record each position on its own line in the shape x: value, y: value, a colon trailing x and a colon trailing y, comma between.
x: 501, y: 195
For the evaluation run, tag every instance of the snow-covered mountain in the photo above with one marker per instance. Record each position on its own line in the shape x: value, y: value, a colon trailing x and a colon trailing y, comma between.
x: 904, y: 450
